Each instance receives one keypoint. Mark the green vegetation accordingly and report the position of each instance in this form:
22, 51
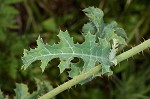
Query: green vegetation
21, 21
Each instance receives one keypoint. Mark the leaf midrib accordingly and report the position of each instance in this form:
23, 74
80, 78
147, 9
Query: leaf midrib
72, 54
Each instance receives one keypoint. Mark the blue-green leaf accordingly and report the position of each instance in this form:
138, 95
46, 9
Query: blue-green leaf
21, 91
90, 51
100, 47
97, 26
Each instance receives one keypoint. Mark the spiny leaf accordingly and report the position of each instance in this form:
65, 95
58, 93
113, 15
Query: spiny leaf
97, 26
42, 88
90, 51
21, 91
100, 46
111, 31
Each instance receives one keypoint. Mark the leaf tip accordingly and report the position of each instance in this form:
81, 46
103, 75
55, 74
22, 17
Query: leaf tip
23, 67
39, 41
44, 64
25, 52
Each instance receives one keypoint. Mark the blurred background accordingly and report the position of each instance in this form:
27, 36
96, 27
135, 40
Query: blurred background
22, 21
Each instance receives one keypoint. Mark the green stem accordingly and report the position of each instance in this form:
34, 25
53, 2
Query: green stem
95, 70
71, 83
133, 51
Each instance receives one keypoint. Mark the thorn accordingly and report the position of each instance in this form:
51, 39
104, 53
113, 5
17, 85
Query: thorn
123, 51
75, 86
127, 59
57, 84
139, 53
142, 53
70, 88
130, 46
132, 57
140, 42
148, 48
67, 79
143, 38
